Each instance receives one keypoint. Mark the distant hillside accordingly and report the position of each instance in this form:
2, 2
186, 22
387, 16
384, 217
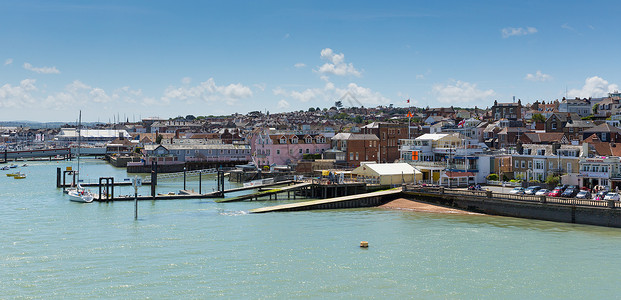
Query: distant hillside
37, 125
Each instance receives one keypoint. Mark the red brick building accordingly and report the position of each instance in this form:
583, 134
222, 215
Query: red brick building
357, 147
389, 135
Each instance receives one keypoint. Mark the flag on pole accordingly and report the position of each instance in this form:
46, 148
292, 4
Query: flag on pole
409, 114
408, 100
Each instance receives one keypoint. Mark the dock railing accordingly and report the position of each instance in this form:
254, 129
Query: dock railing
483, 194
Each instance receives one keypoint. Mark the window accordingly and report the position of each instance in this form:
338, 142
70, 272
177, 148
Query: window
554, 125
277, 151
290, 151
568, 167
307, 151
517, 164
351, 155
551, 165
530, 164
301, 151
523, 164
357, 156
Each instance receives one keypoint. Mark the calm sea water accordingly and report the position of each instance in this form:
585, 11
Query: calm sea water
53, 248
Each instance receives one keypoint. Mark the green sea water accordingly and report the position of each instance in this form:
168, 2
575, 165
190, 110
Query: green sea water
53, 248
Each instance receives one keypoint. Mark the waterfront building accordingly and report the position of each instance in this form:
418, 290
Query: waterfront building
600, 171
271, 147
387, 174
389, 135
91, 135
193, 152
358, 147
538, 161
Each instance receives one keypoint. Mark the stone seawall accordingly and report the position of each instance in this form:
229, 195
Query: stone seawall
600, 216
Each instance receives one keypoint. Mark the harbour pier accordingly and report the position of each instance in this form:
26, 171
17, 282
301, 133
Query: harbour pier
351, 201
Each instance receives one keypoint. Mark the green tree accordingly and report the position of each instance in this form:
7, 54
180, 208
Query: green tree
552, 180
595, 106
312, 109
158, 139
190, 118
492, 177
338, 104
539, 118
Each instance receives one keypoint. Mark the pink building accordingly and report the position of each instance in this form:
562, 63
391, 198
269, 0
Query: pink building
281, 149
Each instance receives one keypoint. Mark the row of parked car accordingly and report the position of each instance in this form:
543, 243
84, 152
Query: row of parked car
566, 191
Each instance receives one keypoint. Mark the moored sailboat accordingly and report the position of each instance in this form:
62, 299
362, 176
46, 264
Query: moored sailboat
80, 194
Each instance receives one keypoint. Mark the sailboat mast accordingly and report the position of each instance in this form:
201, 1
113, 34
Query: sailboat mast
79, 143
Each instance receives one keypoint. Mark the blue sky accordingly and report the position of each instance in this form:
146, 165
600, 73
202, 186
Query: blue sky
169, 58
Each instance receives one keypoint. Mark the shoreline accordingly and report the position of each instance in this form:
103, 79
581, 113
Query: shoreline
420, 206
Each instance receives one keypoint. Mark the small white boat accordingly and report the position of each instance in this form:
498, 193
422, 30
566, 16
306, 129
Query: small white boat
4, 168
81, 194
20, 176
13, 166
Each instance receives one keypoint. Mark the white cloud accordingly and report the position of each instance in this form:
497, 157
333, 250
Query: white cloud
17, 96
208, 91
186, 80
460, 92
538, 76
336, 64
330, 92
365, 96
79, 93
286, 36
300, 65
283, 104
42, 70
127, 95
420, 76
8, 61
510, 31
98, 95
259, 86
593, 87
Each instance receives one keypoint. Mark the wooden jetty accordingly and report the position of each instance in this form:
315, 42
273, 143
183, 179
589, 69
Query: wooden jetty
270, 193
309, 189
352, 201
183, 194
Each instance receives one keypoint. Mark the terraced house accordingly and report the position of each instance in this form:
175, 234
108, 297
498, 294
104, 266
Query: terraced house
269, 148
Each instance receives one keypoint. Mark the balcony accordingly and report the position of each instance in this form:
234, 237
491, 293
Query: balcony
594, 174
428, 164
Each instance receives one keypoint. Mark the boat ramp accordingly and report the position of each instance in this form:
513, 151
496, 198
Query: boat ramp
351, 201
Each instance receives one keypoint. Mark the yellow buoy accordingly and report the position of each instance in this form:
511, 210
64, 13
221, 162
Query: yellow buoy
364, 244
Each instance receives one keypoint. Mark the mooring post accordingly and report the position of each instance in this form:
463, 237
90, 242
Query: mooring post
200, 182
135, 197
611, 203
58, 177
184, 168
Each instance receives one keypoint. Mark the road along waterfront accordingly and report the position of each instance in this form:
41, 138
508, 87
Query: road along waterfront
53, 248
